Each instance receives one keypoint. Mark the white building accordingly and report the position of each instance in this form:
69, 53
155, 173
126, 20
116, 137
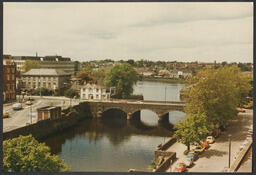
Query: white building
93, 91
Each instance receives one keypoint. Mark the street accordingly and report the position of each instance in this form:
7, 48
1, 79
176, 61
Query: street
19, 118
215, 158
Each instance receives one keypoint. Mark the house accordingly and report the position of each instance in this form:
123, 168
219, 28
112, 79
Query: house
48, 78
94, 91
9, 79
48, 112
164, 73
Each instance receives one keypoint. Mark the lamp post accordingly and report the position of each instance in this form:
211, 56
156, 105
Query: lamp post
165, 95
229, 150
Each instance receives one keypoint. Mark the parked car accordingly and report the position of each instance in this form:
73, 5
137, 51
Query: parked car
6, 115
210, 139
180, 167
199, 149
243, 144
248, 136
240, 110
249, 105
192, 155
17, 106
29, 103
250, 131
188, 162
205, 144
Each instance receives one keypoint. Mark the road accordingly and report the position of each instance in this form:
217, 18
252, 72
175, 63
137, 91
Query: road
20, 118
216, 157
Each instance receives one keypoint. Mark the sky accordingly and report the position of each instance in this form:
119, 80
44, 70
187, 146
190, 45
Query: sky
186, 32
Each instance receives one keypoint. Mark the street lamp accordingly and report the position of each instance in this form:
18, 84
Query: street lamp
229, 150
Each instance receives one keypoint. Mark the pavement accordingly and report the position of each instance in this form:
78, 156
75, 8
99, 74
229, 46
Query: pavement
215, 158
19, 118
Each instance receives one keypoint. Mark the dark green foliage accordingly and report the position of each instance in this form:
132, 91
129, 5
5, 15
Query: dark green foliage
123, 77
43, 91
70, 93
25, 154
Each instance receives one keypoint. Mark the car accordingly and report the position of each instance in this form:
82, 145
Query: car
199, 149
210, 139
240, 110
250, 131
243, 144
192, 155
205, 144
6, 115
29, 103
248, 136
17, 106
188, 162
180, 167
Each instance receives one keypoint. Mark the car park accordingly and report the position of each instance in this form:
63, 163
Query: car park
210, 139
180, 167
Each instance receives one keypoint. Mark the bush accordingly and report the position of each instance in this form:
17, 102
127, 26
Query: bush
186, 152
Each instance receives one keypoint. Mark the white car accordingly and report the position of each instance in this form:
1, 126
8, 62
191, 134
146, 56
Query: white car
187, 162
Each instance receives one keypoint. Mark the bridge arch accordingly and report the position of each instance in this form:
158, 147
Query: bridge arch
113, 112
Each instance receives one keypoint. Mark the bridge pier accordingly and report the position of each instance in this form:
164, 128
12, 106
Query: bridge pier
163, 117
133, 116
99, 114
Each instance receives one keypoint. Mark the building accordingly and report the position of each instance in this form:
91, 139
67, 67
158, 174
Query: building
9, 79
93, 91
48, 112
50, 62
48, 78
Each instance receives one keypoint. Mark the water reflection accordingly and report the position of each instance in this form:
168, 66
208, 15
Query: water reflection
117, 130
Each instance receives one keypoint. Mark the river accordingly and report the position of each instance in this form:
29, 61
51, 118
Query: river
115, 144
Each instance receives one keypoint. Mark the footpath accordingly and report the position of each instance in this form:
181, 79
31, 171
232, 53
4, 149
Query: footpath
215, 158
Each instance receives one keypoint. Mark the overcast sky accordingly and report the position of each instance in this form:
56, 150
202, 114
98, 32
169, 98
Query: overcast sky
155, 31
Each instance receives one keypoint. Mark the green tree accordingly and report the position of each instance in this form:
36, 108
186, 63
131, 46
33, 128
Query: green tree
43, 91
76, 67
24, 154
217, 93
30, 64
192, 129
131, 62
123, 77
70, 93
86, 78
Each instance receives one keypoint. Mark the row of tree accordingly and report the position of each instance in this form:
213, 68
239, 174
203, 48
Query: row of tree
211, 96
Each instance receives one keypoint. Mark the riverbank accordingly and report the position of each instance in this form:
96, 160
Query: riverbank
164, 80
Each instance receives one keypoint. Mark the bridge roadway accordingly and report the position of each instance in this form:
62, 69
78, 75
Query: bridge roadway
132, 108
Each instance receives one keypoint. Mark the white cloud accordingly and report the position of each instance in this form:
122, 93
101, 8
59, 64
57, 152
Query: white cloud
184, 31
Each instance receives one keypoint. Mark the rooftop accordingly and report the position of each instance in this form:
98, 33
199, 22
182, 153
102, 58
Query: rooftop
46, 72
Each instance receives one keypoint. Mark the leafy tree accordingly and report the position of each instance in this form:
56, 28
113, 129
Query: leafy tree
86, 78
131, 62
24, 154
71, 93
31, 64
217, 93
192, 129
76, 67
43, 91
123, 77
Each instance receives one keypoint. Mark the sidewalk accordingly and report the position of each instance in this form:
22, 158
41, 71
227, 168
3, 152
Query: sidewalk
215, 158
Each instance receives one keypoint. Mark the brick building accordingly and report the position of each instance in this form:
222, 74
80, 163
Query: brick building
48, 112
9, 79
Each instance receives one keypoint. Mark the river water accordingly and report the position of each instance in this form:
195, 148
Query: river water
115, 144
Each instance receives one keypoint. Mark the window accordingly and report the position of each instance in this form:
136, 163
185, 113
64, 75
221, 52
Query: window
49, 85
44, 84
13, 70
83, 89
8, 77
39, 84
97, 96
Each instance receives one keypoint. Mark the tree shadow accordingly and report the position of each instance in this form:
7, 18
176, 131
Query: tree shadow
213, 152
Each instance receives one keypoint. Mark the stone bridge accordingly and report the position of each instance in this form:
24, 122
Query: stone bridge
132, 108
